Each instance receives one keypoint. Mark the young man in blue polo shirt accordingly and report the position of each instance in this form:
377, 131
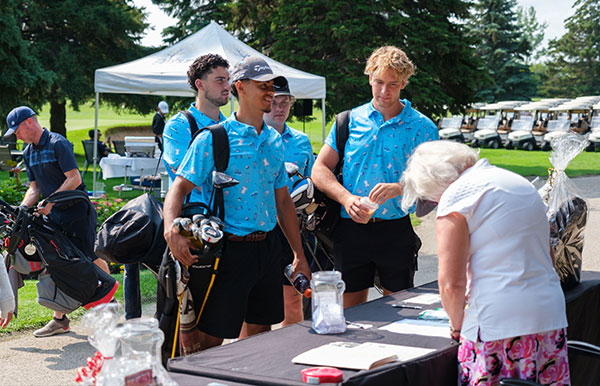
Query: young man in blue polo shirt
297, 150
51, 167
248, 287
208, 76
382, 135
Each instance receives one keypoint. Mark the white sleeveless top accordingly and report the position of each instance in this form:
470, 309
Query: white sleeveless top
512, 286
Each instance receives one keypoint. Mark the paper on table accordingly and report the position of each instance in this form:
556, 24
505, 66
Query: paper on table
424, 299
358, 356
418, 327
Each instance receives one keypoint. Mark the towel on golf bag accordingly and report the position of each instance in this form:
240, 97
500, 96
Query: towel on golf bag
567, 211
134, 234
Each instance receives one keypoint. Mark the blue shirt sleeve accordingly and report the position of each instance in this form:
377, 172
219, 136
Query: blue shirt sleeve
331, 139
176, 138
65, 157
198, 163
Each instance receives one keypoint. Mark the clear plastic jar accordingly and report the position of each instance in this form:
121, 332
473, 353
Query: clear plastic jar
328, 302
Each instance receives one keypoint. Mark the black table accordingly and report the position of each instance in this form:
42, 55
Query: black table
265, 359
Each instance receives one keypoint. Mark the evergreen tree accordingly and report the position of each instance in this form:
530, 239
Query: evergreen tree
499, 44
574, 66
23, 79
71, 39
334, 39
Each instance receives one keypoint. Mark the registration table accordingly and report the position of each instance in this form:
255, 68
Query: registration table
266, 359
118, 166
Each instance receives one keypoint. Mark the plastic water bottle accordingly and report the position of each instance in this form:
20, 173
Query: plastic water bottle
300, 282
328, 302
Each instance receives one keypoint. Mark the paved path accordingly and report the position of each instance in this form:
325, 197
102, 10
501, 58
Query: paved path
26, 360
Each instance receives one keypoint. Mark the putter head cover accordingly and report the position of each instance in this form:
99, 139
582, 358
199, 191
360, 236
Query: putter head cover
303, 194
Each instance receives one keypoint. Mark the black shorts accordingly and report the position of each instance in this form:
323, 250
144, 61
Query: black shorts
386, 247
247, 288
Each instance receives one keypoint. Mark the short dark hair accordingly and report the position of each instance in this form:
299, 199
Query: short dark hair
91, 133
202, 66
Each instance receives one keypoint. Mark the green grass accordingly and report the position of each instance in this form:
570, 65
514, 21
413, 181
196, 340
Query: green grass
33, 316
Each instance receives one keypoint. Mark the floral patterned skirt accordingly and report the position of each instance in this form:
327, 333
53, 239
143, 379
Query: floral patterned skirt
541, 358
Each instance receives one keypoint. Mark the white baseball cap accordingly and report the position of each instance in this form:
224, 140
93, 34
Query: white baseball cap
163, 106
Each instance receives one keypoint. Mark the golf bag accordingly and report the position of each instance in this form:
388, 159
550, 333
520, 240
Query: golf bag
69, 278
187, 288
134, 234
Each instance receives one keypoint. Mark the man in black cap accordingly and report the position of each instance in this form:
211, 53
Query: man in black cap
248, 287
51, 167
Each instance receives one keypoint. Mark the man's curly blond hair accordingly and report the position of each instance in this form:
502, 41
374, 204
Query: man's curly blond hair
390, 57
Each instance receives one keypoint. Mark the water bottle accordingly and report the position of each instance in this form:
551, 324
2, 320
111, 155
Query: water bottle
300, 282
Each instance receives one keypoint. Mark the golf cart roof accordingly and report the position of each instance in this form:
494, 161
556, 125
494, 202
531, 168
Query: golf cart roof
596, 106
574, 105
503, 105
475, 107
537, 106
590, 98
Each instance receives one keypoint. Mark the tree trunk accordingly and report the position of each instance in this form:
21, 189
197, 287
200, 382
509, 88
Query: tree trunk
58, 117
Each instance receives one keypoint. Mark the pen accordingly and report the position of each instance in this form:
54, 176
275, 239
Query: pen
407, 306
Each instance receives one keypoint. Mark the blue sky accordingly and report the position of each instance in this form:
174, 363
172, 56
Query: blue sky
554, 12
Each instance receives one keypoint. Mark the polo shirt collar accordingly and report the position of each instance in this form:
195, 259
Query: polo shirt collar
43, 139
404, 115
199, 113
286, 131
245, 129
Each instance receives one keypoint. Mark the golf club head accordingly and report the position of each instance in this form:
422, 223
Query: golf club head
222, 180
291, 169
311, 222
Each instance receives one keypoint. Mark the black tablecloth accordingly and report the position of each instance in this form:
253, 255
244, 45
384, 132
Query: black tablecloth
265, 359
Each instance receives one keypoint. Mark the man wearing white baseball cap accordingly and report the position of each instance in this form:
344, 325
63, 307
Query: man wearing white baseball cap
158, 122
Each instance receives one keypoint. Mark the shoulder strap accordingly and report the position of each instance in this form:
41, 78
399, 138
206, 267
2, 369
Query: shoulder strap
193, 125
342, 132
220, 146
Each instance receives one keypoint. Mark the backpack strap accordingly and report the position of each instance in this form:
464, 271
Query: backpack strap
221, 158
193, 124
342, 132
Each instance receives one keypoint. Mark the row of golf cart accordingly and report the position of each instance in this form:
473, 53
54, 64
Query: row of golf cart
525, 125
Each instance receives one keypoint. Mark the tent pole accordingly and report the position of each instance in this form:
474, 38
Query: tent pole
323, 112
95, 145
231, 104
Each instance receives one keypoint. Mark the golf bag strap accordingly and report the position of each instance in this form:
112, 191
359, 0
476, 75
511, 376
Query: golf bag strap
342, 131
68, 196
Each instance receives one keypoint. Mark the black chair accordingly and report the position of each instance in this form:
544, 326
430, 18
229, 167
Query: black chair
575, 348
6, 161
88, 148
119, 147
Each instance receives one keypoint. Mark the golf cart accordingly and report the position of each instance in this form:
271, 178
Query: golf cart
556, 128
469, 124
521, 136
450, 129
486, 134
494, 136
594, 135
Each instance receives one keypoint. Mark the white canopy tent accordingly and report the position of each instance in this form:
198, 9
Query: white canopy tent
165, 72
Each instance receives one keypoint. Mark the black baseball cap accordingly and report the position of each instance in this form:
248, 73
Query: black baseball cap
256, 68
282, 90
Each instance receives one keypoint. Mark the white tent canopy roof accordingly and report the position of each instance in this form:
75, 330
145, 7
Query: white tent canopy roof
165, 72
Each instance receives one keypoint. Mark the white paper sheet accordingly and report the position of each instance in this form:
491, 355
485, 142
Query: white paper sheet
419, 327
424, 299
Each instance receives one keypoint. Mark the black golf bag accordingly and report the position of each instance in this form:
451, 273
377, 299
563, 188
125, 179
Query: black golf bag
65, 272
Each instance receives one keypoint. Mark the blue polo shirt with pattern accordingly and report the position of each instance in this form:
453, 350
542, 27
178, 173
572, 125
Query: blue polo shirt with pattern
377, 151
256, 161
48, 161
299, 151
176, 140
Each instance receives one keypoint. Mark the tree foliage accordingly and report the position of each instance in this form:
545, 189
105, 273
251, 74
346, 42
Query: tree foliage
334, 39
500, 45
574, 65
532, 31
72, 38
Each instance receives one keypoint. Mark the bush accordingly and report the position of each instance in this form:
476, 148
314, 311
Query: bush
12, 191
106, 208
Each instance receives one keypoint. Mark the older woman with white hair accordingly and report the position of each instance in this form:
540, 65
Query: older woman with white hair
496, 275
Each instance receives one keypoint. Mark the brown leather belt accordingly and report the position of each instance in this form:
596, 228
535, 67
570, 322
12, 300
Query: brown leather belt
253, 237
378, 220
